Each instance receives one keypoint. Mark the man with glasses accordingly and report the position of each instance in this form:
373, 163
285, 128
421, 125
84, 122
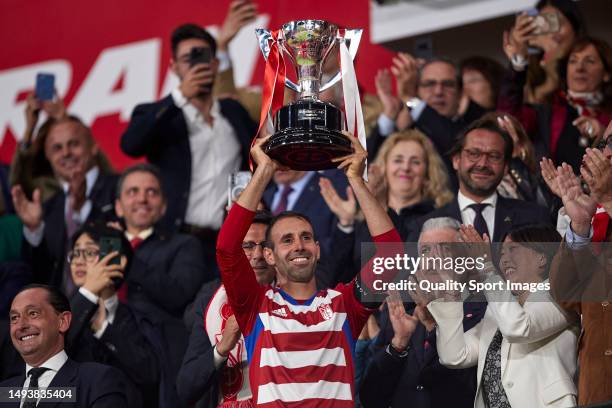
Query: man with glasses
480, 158
215, 368
428, 99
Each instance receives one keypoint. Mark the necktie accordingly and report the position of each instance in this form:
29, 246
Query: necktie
494, 394
34, 375
479, 222
122, 293
284, 199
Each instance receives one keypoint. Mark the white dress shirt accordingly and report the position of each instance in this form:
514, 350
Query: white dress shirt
53, 364
386, 125
110, 305
215, 154
35, 237
297, 186
469, 214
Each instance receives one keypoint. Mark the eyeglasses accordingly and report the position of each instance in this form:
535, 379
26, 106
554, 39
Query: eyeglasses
474, 155
447, 84
249, 246
90, 255
605, 143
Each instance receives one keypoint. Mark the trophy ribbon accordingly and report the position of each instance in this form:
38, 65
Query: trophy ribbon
352, 101
273, 86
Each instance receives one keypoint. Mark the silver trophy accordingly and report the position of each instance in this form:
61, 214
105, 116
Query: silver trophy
307, 133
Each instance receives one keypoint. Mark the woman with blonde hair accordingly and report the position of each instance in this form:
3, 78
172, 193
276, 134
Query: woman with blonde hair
409, 179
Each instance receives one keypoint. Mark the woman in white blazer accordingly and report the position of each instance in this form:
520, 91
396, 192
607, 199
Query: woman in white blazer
525, 346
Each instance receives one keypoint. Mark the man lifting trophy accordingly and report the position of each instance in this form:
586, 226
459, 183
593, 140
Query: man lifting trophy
308, 132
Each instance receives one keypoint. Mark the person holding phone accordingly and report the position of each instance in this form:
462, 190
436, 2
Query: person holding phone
104, 330
196, 140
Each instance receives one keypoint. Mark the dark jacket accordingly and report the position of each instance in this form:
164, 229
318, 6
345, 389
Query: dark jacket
159, 132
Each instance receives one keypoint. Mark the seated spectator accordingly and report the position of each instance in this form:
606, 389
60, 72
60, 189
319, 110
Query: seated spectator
578, 114
194, 139
40, 317
580, 275
103, 329
481, 78
413, 183
481, 157
215, 368
407, 368
165, 273
87, 194
429, 94
520, 332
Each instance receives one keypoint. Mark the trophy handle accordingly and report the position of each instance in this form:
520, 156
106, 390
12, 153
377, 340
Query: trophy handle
353, 37
264, 37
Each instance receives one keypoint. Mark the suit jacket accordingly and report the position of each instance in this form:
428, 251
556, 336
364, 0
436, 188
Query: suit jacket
164, 276
509, 213
159, 132
419, 377
311, 203
97, 386
47, 259
122, 346
538, 350
198, 379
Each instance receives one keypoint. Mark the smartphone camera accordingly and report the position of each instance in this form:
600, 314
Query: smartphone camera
199, 55
237, 183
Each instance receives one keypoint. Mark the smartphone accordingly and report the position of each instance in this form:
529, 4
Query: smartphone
45, 86
237, 183
199, 55
546, 23
108, 245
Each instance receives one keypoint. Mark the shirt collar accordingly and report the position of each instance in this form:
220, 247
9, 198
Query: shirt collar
142, 234
54, 363
194, 115
299, 185
465, 202
90, 179
111, 305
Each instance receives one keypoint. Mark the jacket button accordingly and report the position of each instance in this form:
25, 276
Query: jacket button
608, 353
509, 384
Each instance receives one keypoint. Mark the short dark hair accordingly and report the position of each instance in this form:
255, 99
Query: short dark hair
443, 60
535, 237
56, 298
140, 168
97, 229
487, 122
188, 31
262, 217
281, 216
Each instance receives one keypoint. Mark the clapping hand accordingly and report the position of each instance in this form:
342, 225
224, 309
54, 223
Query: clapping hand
578, 206
343, 209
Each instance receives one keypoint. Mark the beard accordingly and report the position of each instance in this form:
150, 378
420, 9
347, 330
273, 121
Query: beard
482, 188
299, 274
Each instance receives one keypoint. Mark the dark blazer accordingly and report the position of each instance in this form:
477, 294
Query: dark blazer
47, 259
164, 277
122, 346
311, 203
509, 213
419, 380
159, 132
97, 386
197, 379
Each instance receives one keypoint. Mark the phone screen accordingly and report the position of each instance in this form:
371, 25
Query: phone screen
45, 86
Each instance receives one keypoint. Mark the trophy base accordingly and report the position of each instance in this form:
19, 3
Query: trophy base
308, 149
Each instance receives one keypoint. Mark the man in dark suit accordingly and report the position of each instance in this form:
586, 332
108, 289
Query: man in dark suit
165, 273
40, 317
428, 100
87, 195
194, 139
480, 158
406, 367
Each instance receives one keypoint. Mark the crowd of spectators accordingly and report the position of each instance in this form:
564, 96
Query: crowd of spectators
145, 289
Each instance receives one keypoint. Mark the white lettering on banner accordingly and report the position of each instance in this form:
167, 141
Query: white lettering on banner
17, 80
137, 64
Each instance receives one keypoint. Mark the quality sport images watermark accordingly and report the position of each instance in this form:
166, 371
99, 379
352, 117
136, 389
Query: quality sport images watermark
458, 271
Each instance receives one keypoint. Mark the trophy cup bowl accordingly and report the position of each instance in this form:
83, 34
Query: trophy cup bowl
308, 132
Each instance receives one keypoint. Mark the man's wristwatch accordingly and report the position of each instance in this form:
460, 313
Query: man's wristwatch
394, 353
412, 103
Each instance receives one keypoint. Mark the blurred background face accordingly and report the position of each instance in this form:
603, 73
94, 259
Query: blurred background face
566, 34
477, 88
519, 263
253, 249
69, 149
141, 203
406, 169
438, 87
180, 62
481, 165
85, 251
585, 70
287, 176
